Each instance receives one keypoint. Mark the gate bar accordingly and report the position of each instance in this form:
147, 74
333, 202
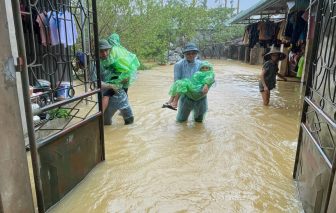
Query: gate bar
304, 127
318, 110
27, 104
331, 182
100, 98
67, 101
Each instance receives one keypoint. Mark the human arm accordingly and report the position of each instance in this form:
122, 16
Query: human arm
94, 78
107, 86
207, 85
205, 89
208, 81
280, 76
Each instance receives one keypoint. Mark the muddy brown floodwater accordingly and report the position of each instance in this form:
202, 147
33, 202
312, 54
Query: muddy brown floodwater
239, 160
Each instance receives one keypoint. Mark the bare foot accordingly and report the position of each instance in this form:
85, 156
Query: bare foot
174, 104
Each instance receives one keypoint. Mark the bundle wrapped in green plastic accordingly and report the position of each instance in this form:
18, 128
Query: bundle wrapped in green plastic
300, 65
193, 87
125, 63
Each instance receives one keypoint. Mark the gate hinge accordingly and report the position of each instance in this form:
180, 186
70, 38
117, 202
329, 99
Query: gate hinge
19, 64
18, 67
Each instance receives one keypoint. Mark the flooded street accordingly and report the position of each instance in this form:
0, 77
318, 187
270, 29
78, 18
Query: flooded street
240, 159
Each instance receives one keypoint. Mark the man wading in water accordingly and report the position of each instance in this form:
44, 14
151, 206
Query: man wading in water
186, 69
118, 100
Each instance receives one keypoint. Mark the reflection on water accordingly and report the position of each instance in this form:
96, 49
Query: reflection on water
239, 160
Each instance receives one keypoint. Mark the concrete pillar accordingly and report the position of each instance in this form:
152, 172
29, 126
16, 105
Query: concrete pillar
254, 55
246, 52
284, 63
308, 52
15, 188
261, 52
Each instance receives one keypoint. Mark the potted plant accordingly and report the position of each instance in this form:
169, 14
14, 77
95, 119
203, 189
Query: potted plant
58, 113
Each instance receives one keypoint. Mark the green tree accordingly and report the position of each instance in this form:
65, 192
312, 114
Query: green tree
146, 27
214, 30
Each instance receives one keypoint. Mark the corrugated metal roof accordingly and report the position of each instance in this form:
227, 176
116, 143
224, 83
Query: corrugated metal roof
260, 6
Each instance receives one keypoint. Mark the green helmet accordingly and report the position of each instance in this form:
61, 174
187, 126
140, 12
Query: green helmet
103, 44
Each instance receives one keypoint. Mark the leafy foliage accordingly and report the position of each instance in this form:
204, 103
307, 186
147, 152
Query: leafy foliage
58, 113
144, 67
146, 27
162, 58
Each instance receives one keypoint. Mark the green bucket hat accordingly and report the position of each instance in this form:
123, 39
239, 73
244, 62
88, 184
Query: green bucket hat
190, 47
103, 44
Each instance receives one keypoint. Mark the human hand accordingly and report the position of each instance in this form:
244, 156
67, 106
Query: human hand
265, 88
125, 80
205, 89
113, 87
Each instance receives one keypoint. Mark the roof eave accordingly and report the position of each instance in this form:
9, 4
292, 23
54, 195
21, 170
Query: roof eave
261, 5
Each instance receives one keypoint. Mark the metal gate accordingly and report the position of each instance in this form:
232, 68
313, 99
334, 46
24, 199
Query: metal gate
56, 42
315, 161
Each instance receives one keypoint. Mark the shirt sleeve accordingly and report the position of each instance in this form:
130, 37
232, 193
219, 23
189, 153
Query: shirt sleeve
266, 66
177, 72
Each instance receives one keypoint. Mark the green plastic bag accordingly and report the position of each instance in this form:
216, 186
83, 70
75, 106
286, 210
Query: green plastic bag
107, 62
193, 87
125, 63
300, 65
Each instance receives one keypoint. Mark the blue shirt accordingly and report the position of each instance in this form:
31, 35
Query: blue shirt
185, 69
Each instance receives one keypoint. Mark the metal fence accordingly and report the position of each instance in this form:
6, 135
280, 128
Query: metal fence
57, 40
315, 159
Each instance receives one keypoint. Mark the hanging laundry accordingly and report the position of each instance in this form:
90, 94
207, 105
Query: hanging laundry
253, 34
23, 16
282, 27
299, 27
262, 28
41, 19
246, 36
289, 28
31, 22
269, 29
52, 22
67, 28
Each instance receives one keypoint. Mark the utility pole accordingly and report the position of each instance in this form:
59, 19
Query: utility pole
220, 3
238, 7
231, 3
15, 188
225, 3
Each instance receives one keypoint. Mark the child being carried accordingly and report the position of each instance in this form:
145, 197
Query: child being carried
195, 88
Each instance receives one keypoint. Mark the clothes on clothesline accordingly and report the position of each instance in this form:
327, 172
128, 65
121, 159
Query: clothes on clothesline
41, 20
52, 23
67, 26
289, 31
51, 27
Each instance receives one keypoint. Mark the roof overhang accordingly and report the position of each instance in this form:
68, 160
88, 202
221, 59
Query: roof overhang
263, 7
